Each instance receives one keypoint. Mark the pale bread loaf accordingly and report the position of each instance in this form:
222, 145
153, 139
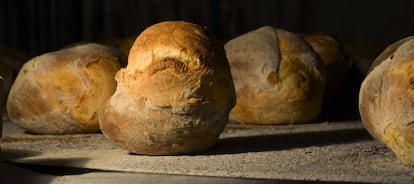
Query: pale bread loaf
278, 77
61, 92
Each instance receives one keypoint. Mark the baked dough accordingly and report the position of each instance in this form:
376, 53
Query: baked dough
175, 94
332, 54
61, 92
386, 99
278, 77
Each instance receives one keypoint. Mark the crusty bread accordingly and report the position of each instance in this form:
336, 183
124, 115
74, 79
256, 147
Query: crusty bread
388, 52
61, 92
332, 54
386, 99
175, 94
277, 76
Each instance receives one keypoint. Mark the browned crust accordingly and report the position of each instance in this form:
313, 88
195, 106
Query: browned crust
175, 94
278, 78
386, 101
61, 92
337, 64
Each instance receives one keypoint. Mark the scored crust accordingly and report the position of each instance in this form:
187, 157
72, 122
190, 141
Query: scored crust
278, 78
175, 94
61, 92
386, 100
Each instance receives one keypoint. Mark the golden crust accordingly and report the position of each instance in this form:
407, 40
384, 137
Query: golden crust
278, 78
329, 49
175, 94
337, 65
388, 51
61, 92
386, 101
172, 56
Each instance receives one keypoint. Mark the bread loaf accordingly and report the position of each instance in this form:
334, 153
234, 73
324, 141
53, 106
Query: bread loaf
332, 54
277, 76
175, 94
388, 52
61, 92
386, 99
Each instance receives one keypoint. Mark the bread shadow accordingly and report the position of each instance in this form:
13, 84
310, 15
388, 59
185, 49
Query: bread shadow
12, 154
40, 171
56, 167
286, 141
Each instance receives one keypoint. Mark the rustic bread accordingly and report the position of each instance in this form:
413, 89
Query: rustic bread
386, 99
277, 76
332, 54
61, 92
388, 52
175, 94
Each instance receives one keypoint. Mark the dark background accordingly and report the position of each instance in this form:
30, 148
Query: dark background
38, 26
365, 27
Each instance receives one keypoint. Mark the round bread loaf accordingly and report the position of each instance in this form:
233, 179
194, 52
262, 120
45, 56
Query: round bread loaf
61, 92
277, 76
175, 94
332, 54
388, 52
386, 99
